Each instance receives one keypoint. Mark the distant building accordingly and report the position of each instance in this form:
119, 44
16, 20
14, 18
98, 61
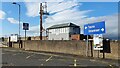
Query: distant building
80, 37
62, 31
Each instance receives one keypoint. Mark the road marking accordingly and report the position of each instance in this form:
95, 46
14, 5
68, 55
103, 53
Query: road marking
29, 56
75, 63
46, 60
49, 58
41, 64
92, 60
111, 66
77, 66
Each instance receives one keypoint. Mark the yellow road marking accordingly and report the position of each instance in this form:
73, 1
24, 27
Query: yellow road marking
75, 63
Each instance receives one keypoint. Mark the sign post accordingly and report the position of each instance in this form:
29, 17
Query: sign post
92, 29
25, 27
87, 46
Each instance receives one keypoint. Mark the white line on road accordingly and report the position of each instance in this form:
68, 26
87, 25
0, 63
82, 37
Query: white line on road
92, 60
49, 58
46, 60
29, 56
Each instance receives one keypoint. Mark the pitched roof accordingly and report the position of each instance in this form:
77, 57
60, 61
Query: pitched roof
63, 25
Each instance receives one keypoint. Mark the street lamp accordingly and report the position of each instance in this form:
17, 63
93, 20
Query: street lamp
19, 21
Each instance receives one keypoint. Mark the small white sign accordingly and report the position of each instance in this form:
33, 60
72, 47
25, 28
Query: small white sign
98, 42
14, 38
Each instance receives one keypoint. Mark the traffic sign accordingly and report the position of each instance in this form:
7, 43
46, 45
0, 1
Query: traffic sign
25, 26
95, 28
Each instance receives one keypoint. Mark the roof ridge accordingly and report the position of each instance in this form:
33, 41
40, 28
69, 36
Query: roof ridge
62, 25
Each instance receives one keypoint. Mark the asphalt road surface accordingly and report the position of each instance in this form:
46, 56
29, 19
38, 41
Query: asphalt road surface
18, 57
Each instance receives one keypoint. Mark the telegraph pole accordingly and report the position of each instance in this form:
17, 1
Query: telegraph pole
41, 12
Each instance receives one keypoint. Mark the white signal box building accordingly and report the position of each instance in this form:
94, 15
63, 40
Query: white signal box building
62, 31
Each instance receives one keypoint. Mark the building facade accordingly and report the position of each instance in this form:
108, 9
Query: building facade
62, 31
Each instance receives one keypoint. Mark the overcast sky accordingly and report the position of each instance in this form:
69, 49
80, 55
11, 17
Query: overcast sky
64, 11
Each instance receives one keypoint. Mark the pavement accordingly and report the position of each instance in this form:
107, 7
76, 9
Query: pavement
13, 58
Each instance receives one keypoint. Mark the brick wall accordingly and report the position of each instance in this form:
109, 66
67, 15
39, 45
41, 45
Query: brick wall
75, 37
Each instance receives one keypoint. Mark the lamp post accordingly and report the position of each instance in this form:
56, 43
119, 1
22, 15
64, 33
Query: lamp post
19, 21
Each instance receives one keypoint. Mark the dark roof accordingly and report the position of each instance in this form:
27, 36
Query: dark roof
63, 25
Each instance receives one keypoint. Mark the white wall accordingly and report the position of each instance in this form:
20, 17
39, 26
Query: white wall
58, 34
62, 33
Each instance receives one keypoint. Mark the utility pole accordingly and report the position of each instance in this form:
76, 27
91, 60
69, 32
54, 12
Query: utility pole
41, 13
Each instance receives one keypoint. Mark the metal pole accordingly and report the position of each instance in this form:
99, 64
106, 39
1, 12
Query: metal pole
25, 38
98, 53
103, 54
19, 24
91, 48
87, 46
103, 50
41, 12
25, 35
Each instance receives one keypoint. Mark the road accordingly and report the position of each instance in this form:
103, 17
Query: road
18, 57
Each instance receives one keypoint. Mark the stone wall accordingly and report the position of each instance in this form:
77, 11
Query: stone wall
68, 47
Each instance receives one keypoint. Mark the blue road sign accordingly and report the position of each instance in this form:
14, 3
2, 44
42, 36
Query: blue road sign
95, 28
25, 26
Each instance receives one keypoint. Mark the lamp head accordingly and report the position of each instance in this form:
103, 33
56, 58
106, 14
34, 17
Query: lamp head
14, 3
